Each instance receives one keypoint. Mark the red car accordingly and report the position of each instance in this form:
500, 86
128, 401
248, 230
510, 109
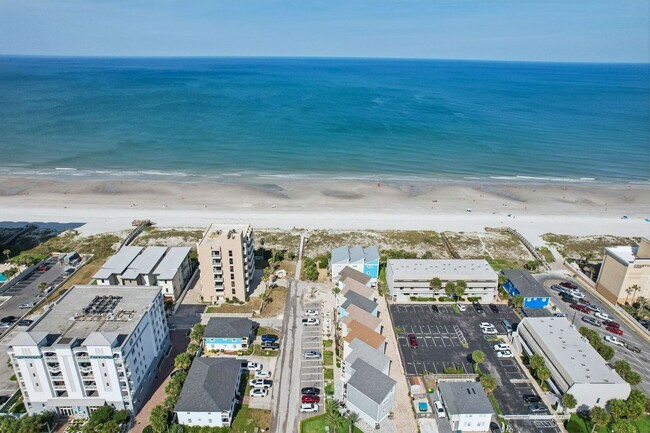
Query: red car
569, 285
579, 307
413, 341
614, 330
43, 268
310, 399
611, 323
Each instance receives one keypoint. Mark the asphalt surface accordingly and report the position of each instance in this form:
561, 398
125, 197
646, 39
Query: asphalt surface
441, 336
639, 362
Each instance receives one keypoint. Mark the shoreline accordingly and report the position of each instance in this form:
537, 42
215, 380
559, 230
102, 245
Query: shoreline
534, 209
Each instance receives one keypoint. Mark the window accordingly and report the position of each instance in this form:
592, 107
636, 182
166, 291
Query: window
232, 276
230, 254
232, 284
231, 261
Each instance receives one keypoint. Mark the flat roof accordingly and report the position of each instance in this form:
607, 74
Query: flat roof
465, 398
66, 318
118, 262
569, 350
626, 254
144, 263
224, 230
451, 268
172, 261
526, 284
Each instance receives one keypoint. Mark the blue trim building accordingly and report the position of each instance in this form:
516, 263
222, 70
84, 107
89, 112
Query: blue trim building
520, 282
228, 334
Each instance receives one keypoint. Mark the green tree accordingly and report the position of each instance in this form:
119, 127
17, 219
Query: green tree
196, 335
622, 367
569, 401
158, 419
635, 288
623, 426
42, 286
488, 382
435, 283
335, 420
7, 253
618, 409
633, 378
543, 374
450, 289
478, 357
182, 361
641, 304
353, 419
192, 348
517, 301
461, 286
173, 388
176, 428
170, 402
536, 362
606, 351
599, 417
629, 291
10, 272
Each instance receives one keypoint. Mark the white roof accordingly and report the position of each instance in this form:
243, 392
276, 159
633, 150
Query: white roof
570, 351
623, 254
172, 261
429, 268
118, 263
144, 263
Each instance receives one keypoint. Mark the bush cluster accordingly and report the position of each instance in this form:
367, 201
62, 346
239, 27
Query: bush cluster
309, 269
605, 350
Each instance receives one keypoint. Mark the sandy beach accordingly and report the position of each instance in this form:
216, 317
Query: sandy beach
534, 209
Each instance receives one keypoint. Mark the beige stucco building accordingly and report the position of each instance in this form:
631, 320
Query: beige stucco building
623, 268
226, 262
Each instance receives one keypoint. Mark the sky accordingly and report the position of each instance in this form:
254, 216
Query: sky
518, 30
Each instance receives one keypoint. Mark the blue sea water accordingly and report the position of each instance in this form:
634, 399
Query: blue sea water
220, 118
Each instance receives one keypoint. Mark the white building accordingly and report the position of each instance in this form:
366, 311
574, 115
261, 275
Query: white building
97, 345
370, 393
575, 366
364, 260
169, 268
467, 405
209, 394
412, 277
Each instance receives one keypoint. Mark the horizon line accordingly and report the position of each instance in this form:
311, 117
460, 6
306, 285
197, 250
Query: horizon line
93, 56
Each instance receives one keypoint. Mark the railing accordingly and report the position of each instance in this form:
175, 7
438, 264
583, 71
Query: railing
556, 417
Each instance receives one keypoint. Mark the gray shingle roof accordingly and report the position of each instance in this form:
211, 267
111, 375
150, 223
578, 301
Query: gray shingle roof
228, 327
525, 283
371, 253
371, 382
368, 354
464, 398
353, 298
348, 272
210, 386
356, 254
341, 255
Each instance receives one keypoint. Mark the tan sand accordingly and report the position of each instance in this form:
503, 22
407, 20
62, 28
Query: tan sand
577, 209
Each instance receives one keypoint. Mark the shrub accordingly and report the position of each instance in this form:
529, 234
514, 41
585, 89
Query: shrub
453, 370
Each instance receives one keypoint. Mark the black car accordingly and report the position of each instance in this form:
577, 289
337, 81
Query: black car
494, 428
478, 307
310, 390
568, 299
25, 322
434, 308
494, 308
531, 398
9, 319
270, 345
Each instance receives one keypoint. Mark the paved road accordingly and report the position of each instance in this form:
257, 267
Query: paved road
639, 361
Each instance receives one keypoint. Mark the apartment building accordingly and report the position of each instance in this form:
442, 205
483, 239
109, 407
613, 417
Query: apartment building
468, 406
625, 273
97, 345
364, 260
169, 268
521, 282
226, 262
412, 277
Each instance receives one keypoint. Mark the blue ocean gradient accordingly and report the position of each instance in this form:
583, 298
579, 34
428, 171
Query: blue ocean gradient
219, 118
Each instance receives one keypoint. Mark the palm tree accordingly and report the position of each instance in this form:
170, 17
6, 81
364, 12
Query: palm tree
7, 252
42, 285
488, 382
478, 357
569, 401
599, 417
461, 286
450, 289
543, 374
517, 301
629, 291
642, 302
536, 362
435, 283
334, 418
353, 418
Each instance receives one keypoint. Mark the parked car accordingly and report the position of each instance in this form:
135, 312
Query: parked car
309, 398
310, 321
494, 428
5, 325
259, 392
253, 366
603, 316
310, 390
263, 374
611, 323
584, 301
577, 294
537, 408
591, 321
43, 268
439, 409
9, 319
413, 341
579, 308
632, 348
613, 330
260, 383
461, 307
311, 313
25, 322
27, 306
557, 287
312, 354
613, 340
490, 331
269, 345
594, 308
485, 325
569, 285
504, 354
501, 346
435, 309
309, 407
531, 398
494, 308
559, 315
269, 337
478, 307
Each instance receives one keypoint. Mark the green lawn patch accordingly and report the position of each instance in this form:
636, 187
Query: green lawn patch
578, 424
317, 424
328, 357
329, 389
247, 420
329, 374
498, 264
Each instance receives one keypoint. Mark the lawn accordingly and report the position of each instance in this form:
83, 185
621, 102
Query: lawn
276, 306
258, 351
329, 374
578, 424
249, 307
328, 357
329, 389
247, 420
261, 330
317, 425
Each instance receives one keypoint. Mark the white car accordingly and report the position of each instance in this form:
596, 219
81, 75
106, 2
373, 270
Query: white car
260, 383
504, 354
309, 407
486, 325
439, 409
461, 307
311, 312
310, 321
490, 331
603, 316
559, 315
263, 374
501, 346
577, 294
253, 366
613, 340
259, 392
312, 354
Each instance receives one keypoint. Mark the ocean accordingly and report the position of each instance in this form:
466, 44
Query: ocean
225, 119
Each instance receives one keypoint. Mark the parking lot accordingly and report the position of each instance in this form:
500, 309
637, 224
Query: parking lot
311, 370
